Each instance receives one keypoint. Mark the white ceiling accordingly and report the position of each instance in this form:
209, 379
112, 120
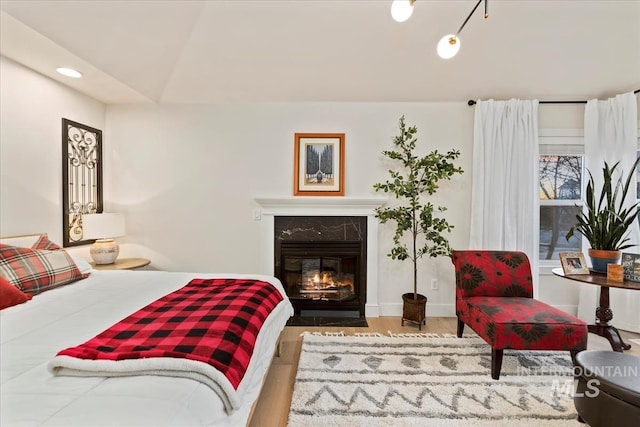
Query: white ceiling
161, 51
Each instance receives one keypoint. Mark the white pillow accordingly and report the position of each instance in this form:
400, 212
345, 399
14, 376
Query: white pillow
82, 264
21, 241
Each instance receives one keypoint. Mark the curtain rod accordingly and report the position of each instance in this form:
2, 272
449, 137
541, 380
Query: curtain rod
472, 102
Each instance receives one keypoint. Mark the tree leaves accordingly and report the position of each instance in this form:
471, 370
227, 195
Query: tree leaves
606, 222
417, 221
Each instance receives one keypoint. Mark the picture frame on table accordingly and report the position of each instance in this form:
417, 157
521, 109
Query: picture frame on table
573, 263
318, 164
631, 267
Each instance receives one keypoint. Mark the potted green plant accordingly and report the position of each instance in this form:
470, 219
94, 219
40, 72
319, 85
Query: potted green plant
605, 221
417, 220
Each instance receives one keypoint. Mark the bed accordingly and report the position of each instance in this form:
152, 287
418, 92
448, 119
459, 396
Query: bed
32, 333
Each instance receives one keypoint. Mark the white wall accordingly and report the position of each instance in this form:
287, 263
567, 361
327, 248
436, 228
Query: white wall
186, 176
31, 110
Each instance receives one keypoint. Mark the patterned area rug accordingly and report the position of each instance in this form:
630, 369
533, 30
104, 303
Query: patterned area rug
421, 380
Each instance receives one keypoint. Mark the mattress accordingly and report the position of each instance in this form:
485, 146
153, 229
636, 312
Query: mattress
32, 333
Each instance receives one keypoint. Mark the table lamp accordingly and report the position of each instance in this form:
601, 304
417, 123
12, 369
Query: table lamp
104, 227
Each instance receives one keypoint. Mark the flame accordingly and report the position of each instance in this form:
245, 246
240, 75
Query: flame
320, 280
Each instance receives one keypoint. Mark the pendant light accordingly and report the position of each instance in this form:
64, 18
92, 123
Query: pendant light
401, 10
449, 45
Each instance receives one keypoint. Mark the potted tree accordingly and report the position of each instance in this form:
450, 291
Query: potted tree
606, 221
417, 220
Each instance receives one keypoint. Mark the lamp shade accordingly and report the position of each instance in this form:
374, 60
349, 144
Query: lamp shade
401, 10
448, 46
103, 225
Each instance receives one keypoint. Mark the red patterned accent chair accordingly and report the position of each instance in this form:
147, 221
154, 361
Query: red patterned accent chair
494, 296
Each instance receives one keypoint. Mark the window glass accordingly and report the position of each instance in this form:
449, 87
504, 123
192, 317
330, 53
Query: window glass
638, 182
638, 178
560, 202
555, 222
560, 177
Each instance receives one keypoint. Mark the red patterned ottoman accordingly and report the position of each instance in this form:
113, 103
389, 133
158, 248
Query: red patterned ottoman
494, 296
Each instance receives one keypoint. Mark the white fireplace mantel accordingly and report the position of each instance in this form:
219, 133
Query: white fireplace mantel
270, 207
320, 205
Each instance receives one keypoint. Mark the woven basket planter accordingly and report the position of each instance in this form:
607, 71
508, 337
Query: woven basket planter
414, 310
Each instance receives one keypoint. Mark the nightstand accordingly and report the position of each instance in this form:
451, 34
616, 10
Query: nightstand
123, 264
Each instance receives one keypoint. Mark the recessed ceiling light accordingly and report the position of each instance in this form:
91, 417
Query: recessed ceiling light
69, 72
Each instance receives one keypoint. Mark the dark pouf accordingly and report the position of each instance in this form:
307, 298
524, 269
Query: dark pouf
608, 388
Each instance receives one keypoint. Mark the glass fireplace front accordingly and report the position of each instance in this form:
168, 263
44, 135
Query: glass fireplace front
320, 278
323, 275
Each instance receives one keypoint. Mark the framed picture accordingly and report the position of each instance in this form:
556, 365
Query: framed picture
573, 263
318, 164
631, 267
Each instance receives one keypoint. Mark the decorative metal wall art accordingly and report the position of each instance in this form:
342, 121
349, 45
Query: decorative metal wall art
81, 178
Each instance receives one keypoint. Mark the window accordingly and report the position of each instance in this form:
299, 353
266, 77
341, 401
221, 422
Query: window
638, 176
560, 202
638, 179
561, 166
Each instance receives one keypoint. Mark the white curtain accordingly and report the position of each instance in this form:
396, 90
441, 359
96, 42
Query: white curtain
504, 210
611, 135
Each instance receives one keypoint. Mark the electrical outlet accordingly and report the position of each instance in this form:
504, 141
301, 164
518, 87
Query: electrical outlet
435, 285
257, 214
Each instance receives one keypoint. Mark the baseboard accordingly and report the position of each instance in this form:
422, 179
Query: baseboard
433, 310
571, 309
372, 310
626, 326
394, 309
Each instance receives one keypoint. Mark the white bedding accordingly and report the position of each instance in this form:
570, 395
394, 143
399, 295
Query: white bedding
32, 333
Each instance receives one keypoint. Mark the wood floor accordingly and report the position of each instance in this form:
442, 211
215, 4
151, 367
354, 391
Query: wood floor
272, 407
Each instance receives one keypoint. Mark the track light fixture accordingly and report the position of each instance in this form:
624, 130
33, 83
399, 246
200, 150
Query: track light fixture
449, 45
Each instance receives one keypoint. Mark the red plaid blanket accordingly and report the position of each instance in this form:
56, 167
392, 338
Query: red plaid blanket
215, 321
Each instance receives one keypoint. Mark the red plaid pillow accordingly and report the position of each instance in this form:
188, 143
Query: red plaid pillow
35, 270
43, 242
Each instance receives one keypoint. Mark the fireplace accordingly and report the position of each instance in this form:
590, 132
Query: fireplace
324, 276
321, 261
273, 209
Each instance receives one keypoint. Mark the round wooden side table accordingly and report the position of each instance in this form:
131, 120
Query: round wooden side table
123, 264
